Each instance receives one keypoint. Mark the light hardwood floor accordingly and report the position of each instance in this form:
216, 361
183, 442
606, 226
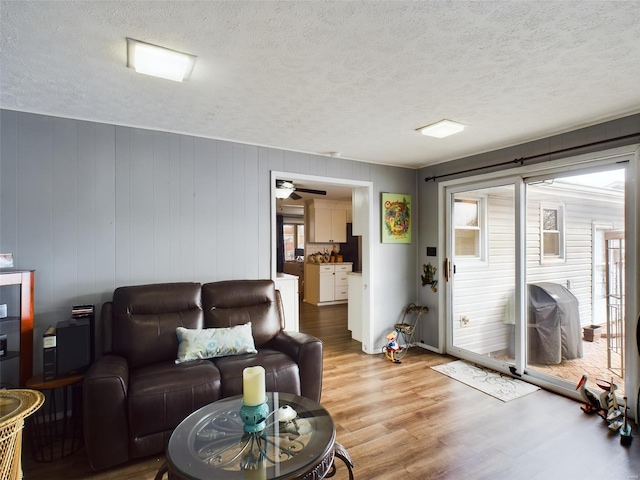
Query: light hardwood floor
408, 421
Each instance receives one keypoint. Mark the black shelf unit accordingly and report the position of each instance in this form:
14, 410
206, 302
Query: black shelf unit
13, 334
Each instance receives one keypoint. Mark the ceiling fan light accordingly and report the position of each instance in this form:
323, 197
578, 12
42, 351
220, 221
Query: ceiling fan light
282, 192
442, 129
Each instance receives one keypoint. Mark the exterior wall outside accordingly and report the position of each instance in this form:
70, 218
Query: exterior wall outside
576, 270
431, 235
485, 304
484, 289
582, 141
93, 206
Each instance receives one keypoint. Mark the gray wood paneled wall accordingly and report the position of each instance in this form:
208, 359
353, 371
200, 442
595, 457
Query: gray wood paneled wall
93, 206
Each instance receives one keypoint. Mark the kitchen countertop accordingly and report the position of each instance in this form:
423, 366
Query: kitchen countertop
285, 275
330, 263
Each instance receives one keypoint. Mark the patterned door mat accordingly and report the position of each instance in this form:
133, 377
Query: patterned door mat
498, 385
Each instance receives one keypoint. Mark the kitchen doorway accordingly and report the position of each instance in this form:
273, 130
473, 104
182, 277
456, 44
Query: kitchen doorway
362, 207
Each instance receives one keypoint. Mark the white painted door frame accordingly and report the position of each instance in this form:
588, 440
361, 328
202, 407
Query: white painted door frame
367, 240
629, 154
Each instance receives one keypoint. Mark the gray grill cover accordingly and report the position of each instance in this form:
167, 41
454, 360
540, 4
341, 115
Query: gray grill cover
554, 332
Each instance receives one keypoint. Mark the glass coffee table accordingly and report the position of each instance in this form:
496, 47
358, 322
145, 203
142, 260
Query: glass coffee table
298, 442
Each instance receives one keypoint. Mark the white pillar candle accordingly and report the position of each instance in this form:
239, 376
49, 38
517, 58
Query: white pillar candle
253, 386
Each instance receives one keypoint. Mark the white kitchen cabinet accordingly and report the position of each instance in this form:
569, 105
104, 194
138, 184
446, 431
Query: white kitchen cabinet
359, 208
325, 293
327, 221
340, 282
326, 283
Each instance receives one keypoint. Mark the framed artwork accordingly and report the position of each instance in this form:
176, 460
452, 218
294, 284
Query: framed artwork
396, 218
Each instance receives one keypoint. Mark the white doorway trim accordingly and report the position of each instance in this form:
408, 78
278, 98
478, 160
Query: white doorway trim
367, 241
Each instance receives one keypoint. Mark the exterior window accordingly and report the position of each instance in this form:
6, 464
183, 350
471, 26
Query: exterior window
293, 241
467, 220
552, 244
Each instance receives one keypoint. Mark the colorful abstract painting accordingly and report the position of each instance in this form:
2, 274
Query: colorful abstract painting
396, 218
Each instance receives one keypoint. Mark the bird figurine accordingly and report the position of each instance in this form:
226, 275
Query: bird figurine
613, 412
593, 401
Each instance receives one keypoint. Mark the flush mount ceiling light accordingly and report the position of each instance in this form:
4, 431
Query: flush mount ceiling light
158, 61
441, 129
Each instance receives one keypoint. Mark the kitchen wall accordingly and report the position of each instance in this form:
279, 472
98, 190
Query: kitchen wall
93, 206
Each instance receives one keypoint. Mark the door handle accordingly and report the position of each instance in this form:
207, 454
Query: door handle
447, 269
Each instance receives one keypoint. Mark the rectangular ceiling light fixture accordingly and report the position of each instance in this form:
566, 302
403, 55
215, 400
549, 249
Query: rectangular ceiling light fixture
156, 61
441, 129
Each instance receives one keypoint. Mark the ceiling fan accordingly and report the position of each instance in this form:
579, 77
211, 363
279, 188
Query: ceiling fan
286, 189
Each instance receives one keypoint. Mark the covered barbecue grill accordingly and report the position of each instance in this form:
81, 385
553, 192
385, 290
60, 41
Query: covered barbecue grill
554, 331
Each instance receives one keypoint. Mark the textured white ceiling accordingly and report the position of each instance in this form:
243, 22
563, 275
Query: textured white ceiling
318, 76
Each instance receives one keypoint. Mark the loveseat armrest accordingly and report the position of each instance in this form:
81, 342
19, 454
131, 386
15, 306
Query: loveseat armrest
106, 428
306, 350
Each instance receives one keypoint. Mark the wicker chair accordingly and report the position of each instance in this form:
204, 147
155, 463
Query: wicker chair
15, 406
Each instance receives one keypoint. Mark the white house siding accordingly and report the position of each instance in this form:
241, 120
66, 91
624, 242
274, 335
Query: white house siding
580, 215
484, 291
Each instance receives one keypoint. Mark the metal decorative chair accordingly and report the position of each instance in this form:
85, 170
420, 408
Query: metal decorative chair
404, 331
407, 328
15, 406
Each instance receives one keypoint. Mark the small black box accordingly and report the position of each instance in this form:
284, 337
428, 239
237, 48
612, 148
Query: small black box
3, 345
86, 311
49, 354
73, 346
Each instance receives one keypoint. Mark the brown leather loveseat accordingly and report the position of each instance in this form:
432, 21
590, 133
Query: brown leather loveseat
136, 394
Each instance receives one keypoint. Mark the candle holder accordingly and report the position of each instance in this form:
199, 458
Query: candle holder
254, 416
252, 440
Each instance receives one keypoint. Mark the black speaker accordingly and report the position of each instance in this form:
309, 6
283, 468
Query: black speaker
73, 346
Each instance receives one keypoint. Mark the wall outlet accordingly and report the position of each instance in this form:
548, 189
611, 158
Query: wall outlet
464, 321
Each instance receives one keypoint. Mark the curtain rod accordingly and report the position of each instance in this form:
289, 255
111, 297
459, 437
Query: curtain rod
521, 160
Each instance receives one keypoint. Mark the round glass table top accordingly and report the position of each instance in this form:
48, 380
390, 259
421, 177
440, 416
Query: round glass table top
212, 443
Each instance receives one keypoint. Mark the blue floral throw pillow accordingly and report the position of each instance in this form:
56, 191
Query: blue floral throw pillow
214, 342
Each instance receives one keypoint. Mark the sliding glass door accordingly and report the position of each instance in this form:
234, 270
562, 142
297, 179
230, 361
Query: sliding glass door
483, 273
530, 265
573, 275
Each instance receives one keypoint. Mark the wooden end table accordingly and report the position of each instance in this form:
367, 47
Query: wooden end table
53, 438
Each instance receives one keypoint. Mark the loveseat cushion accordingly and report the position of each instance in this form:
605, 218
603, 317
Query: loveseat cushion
162, 395
204, 343
145, 318
236, 302
281, 372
